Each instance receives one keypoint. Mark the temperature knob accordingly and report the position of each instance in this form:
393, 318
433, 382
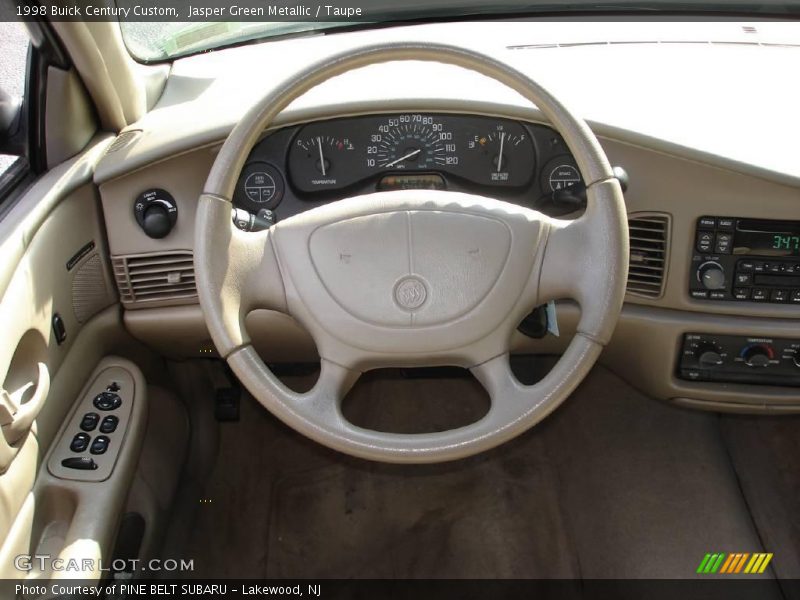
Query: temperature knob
757, 355
711, 275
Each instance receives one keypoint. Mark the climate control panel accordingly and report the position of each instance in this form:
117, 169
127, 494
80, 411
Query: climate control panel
739, 359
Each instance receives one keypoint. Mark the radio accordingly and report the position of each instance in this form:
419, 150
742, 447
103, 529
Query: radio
739, 359
753, 260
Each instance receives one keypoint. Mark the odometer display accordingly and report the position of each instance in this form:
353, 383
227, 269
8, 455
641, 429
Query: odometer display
411, 142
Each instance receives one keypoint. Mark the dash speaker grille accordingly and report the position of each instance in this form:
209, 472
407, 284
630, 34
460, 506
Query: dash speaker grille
90, 293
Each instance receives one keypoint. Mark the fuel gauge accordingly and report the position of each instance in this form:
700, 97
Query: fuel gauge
503, 154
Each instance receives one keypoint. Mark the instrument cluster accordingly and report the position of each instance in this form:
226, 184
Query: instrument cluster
299, 167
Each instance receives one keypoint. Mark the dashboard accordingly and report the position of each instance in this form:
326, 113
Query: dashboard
297, 168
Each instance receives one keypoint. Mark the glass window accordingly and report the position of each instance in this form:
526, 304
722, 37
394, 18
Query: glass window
14, 44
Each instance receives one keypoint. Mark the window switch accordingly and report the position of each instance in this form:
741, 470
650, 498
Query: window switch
99, 445
80, 442
109, 424
89, 421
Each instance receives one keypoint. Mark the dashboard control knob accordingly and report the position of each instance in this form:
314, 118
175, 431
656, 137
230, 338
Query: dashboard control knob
156, 223
156, 212
708, 354
796, 358
757, 355
711, 275
710, 358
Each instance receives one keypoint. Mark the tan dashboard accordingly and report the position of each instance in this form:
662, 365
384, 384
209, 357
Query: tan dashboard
666, 191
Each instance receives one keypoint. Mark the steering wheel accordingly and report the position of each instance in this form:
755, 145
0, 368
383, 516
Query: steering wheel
412, 278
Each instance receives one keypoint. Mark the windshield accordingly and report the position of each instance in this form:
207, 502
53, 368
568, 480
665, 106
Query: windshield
192, 26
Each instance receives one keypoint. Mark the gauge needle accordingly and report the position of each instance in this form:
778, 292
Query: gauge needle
402, 158
500, 156
321, 158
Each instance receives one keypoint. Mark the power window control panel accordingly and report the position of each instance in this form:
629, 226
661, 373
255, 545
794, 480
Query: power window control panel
91, 442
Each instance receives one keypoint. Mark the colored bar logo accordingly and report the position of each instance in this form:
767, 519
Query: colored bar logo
735, 563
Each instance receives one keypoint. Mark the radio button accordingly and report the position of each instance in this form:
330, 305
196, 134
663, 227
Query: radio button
779, 296
760, 267
775, 267
744, 279
701, 294
796, 297
718, 295
789, 268
760, 295
746, 265
705, 241
723, 243
707, 223
726, 223
741, 293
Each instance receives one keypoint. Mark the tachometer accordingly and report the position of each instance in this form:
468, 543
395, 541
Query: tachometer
411, 142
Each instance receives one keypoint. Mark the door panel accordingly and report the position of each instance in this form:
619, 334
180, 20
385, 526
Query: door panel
58, 267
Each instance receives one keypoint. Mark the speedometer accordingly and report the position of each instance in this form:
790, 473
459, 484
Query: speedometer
411, 142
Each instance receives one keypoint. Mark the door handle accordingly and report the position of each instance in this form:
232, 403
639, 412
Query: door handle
16, 416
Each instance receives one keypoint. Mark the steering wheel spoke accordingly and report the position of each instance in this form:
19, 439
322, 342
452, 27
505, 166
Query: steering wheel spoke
583, 256
239, 273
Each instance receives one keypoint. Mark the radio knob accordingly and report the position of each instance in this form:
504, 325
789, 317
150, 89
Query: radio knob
711, 275
757, 355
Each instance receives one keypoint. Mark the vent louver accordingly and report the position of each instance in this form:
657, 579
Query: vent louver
649, 233
163, 278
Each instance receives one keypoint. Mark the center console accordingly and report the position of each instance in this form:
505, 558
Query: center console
746, 260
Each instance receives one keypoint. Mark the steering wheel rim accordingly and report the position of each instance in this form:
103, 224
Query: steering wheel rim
524, 258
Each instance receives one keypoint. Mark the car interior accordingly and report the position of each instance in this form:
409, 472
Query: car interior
468, 298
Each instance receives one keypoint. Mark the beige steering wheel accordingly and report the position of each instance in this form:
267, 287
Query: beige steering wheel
411, 278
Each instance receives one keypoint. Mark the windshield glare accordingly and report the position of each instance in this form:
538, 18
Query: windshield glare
155, 41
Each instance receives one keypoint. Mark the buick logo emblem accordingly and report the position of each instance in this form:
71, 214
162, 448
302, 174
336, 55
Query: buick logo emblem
410, 293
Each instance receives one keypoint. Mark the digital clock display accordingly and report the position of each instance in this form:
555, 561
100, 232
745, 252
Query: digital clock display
767, 238
786, 242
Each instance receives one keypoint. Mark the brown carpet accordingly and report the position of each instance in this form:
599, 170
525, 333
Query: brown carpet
612, 485
766, 454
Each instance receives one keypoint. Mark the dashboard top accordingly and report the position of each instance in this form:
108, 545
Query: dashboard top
704, 96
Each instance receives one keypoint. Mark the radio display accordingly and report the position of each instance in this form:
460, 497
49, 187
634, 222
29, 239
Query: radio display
767, 238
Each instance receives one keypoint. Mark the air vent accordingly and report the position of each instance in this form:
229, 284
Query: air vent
649, 234
162, 278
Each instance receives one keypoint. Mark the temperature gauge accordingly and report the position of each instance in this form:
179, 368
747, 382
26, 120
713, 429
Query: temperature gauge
319, 158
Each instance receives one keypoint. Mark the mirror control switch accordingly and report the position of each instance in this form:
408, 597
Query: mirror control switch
83, 463
107, 401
